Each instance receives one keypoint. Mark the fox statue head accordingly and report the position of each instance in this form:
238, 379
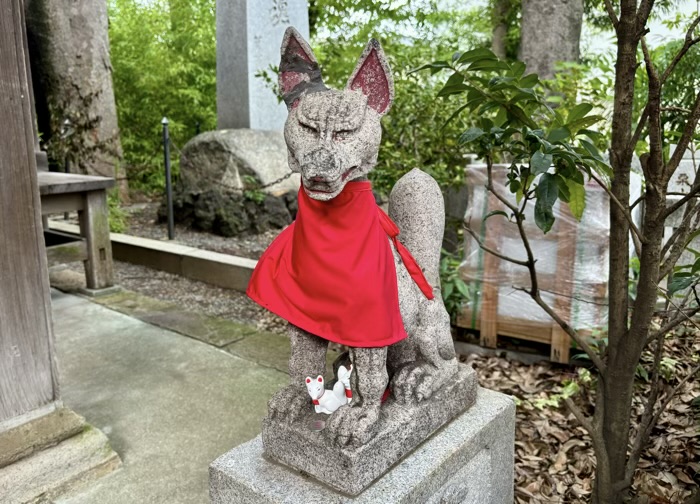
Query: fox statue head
332, 136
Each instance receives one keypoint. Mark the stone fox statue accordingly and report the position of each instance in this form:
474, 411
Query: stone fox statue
340, 272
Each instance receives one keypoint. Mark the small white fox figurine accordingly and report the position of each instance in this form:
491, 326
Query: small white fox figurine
339, 396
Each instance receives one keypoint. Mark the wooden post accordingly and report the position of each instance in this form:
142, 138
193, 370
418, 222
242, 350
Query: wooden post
27, 367
488, 319
94, 226
566, 259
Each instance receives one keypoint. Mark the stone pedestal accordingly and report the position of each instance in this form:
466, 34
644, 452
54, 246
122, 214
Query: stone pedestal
400, 429
470, 460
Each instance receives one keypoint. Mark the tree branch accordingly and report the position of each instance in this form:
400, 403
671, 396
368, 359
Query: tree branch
573, 334
491, 251
637, 202
673, 323
611, 14
643, 12
640, 440
692, 194
682, 229
687, 44
583, 420
677, 242
637, 236
675, 109
682, 315
534, 291
640, 127
684, 140
645, 431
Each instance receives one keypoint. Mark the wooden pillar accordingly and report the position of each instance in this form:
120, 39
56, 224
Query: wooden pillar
28, 378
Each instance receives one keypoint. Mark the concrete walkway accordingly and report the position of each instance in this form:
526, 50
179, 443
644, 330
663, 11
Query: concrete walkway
169, 404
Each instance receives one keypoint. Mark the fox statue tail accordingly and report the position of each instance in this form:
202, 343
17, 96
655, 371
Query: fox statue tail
417, 207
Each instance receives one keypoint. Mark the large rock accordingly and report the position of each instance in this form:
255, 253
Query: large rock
231, 213
223, 183
236, 159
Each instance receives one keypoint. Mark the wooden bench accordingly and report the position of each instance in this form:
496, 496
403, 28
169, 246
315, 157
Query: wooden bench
86, 194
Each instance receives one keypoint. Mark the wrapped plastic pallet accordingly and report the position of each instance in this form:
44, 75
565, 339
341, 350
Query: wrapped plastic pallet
571, 264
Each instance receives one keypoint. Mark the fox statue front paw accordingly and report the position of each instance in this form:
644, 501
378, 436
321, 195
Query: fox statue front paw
353, 425
418, 382
289, 403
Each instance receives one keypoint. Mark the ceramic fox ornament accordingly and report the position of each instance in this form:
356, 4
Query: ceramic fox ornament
327, 401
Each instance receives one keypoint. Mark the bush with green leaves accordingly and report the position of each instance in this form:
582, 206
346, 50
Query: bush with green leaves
548, 154
414, 131
455, 292
164, 58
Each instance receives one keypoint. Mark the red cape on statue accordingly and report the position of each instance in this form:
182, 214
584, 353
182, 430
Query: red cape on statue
332, 272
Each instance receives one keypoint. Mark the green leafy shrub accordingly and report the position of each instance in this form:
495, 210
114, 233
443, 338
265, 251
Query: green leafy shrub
455, 292
164, 59
516, 125
118, 218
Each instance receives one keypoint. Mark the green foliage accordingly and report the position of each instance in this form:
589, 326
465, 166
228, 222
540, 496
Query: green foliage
588, 81
566, 390
252, 192
548, 150
455, 292
164, 58
685, 276
678, 93
118, 218
410, 32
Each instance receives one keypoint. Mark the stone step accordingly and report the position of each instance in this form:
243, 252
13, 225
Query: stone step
38, 434
66, 466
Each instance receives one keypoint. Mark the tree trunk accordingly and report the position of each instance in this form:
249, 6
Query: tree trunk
499, 13
69, 49
625, 342
550, 32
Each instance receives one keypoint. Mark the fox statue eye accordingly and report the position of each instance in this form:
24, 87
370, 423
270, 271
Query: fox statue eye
307, 127
342, 135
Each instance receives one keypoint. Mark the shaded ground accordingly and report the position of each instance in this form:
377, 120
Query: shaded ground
554, 462
169, 404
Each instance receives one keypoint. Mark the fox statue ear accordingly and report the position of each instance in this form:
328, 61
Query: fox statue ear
299, 71
372, 76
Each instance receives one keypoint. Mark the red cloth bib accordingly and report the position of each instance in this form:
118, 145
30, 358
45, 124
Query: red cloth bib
332, 273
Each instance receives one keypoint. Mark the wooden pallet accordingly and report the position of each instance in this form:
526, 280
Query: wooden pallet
493, 273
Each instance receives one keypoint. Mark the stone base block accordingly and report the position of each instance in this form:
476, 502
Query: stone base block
468, 461
400, 429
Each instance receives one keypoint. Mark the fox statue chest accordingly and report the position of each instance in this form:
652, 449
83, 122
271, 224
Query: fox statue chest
333, 272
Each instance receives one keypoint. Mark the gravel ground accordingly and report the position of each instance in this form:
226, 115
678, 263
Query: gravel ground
192, 295
143, 223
